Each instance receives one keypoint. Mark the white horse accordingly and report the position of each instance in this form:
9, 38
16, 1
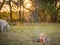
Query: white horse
4, 25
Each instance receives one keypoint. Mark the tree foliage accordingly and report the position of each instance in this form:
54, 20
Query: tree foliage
41, 10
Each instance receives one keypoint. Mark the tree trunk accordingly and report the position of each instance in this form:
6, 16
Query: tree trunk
21, 14
56, 13
2, 4
10, 11
20, 11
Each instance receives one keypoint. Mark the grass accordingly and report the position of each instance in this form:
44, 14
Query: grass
27, 34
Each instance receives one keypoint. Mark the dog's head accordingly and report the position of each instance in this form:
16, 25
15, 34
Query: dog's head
8, 27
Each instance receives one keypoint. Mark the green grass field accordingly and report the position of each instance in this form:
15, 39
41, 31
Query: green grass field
27, 34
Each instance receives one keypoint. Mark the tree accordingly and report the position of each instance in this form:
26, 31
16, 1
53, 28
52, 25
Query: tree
21, 16
54, 10
10, 10
51, 6
2, 4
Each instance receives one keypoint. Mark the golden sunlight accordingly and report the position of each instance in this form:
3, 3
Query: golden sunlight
21, 8
26, 1
28, 5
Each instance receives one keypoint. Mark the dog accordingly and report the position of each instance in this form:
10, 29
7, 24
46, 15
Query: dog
4, 25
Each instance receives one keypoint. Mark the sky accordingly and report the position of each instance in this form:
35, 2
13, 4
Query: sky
2, 0
6, 0
6, 7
